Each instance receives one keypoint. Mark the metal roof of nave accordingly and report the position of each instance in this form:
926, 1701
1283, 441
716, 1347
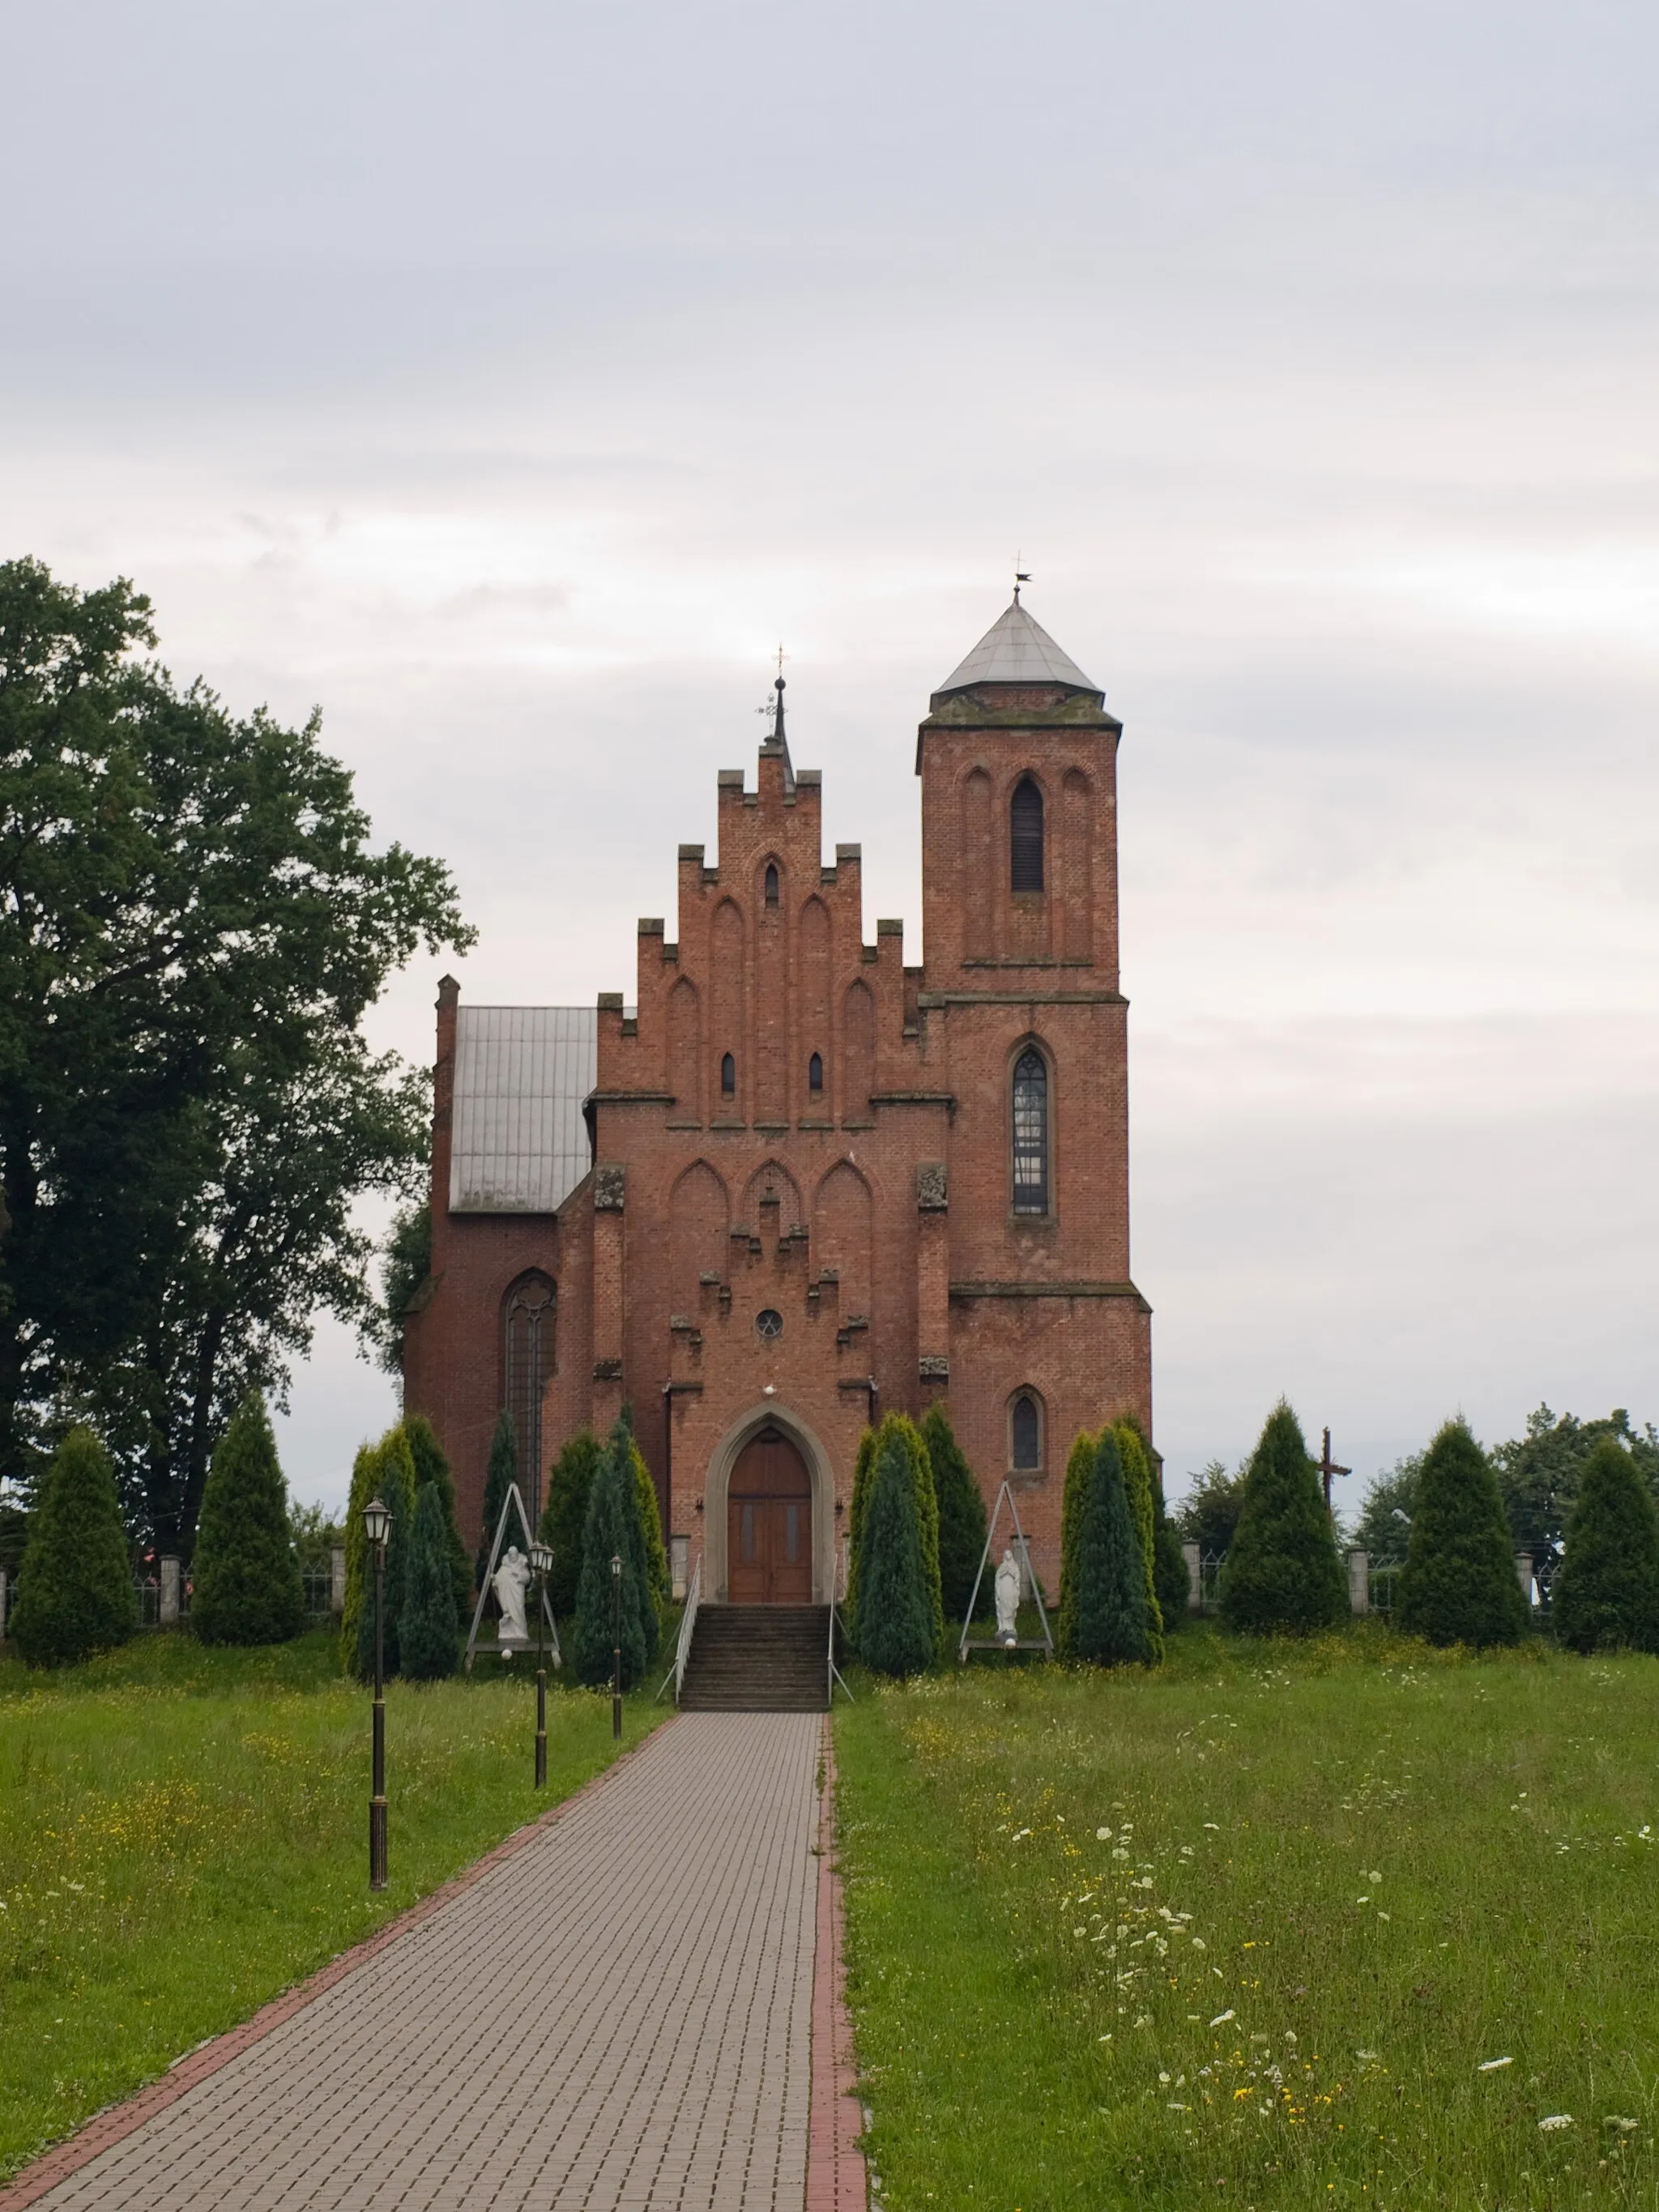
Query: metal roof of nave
1016, 649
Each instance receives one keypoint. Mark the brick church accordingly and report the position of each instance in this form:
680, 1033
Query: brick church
800, 1183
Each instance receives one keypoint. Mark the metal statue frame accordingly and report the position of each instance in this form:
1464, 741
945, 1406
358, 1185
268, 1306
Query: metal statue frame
511, 1498
972, 1643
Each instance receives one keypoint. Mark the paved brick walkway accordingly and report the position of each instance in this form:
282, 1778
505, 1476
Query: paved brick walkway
617, 2015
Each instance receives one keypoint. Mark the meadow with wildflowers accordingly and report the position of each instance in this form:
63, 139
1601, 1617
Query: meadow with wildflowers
1350, 1922
183, 1834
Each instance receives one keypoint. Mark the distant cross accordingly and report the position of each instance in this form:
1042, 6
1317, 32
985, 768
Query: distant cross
1327, 1467
773, 704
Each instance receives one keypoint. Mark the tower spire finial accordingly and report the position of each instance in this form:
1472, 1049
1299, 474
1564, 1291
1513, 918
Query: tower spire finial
1021, 576
777, 722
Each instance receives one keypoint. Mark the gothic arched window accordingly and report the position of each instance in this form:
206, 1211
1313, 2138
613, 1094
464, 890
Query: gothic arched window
1030, 1105
527, 1333
1026, 1434
1025, 837
728, 1077
815, 1073
771, 883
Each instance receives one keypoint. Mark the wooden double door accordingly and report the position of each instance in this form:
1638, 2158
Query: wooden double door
769, 1524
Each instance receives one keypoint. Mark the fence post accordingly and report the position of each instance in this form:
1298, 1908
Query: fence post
1194, 1559
1523, 1574
167, 1610
337, 1579
1359, 1582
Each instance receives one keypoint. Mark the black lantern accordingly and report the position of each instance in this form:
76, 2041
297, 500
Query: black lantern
377, 1526
541, 1566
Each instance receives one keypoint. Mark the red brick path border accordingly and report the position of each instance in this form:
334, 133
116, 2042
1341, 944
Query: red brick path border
836, 2180
116, 2122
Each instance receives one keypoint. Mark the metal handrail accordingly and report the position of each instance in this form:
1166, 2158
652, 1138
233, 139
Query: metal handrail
676, 1673
835, 1674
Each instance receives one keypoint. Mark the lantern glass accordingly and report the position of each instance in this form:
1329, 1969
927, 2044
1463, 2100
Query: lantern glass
541, 1558
376, 1522
616, 1565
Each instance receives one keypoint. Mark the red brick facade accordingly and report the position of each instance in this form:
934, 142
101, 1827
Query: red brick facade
874, 1214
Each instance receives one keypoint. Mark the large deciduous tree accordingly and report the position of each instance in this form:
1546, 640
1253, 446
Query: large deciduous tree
192, 927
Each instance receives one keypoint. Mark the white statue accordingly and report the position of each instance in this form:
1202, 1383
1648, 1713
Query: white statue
510, 1581
1008, 1597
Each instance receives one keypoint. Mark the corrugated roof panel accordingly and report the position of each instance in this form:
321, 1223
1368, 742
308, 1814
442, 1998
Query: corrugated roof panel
517, 1142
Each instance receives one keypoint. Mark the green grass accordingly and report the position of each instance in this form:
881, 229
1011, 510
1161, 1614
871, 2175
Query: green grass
183, 1834
1246, 1931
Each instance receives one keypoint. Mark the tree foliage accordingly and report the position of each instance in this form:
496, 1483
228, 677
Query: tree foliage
1209, 1513
895, 1628
960, 1507
365, 1470
900, 1435
564, 1516
654, 1554
245, 1584
1074, 1507
1606, 1594
1383, 1529
612, 1531
1113, 1622
1538, 1474
429, 1629
405, 1268
193, 927
500, 1475
1169, 1577
394, 1480
1459, 1585
864, 1475
1139, 1484
75, 1595
431, 1464
1282, 1574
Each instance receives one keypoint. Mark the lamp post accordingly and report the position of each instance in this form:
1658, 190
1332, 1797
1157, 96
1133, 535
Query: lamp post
541, 1563
377, 1520
616, 1646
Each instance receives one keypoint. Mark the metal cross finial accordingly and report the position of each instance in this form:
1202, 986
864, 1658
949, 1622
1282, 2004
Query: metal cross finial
782, 657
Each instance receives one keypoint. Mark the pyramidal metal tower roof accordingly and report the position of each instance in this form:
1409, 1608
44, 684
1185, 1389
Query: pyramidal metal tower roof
1016, 649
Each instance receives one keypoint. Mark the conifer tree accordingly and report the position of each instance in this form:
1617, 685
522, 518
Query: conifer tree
432, 1465
654, 1552
863, 1472
1114, 1624
1170, 1574
428, 1632
922, 1477
895, 1628
1073, 1505
1607, 1589
74, 1592
394, 1479
245, 1574
565, 1516
1459, 1583
1282, 1575
611, 1531
960, 1513
499, 1477
364, 1470
1138, 1483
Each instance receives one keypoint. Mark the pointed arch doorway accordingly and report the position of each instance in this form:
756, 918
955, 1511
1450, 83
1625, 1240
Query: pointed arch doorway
768, 1523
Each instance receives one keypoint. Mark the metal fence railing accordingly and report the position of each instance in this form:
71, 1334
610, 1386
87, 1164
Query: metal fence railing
1384, 1576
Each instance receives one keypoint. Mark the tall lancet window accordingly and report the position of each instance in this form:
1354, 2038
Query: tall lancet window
527, 1365
1025, 837
1031, 1103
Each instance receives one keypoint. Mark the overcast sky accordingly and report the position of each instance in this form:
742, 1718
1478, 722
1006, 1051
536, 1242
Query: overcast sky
510, 379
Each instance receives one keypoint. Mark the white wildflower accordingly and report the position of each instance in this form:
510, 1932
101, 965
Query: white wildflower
1554, 2120
1102, 1835
1491, 2065
1221, 2018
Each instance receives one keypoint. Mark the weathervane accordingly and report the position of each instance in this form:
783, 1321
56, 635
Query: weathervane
1021, 576
773, 706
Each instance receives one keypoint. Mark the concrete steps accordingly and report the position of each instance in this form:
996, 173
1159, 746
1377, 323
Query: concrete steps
758, 1659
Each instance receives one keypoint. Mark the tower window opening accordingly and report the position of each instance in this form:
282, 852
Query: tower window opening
815, 1073
771, 883
527, 1363
1031, 1103
1025, 837
728, 1076
1025, 1435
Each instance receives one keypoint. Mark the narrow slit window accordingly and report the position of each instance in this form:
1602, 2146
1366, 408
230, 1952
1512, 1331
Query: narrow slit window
771, 883
815, 1073
728, 1077
1026, 1435
527, 1363
1025, 837
1031, 1133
